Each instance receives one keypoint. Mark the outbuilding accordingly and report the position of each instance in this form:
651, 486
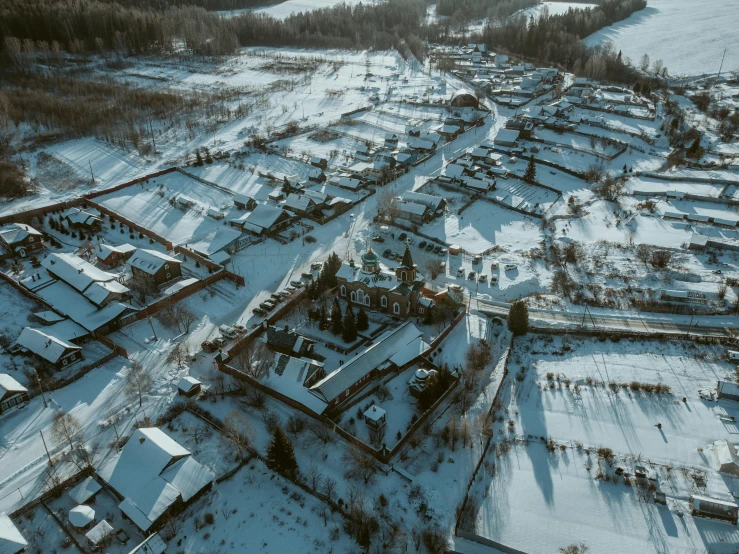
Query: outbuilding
189, 387
11, 540
12, 392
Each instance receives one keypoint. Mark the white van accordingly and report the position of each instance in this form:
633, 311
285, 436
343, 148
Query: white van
734, 356
510, 267
227, 331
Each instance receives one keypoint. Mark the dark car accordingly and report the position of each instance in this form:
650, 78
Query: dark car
402, 236
429, 247
471, 276
422, 244
378, 238
209, 346
387, 253
259, 311
437, 250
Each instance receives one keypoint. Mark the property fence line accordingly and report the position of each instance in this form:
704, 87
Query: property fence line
211, 265
121, 219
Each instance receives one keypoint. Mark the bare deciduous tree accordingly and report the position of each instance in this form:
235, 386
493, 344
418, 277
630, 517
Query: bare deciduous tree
138, 380
434, 267
179, 354
239, 429
254, 360
65, 427
360, 465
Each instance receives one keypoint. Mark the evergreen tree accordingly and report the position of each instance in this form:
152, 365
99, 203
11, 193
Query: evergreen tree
362, 321
349, 328
198, 159
336, 323
323, 320
530, 175
637, 87
280, 454
518, 318
208, 157
695, 150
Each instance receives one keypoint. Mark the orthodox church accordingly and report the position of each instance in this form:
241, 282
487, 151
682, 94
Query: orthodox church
377, 287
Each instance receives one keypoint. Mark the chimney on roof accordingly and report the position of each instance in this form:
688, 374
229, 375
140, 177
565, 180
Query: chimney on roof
80, 270
287, 327
374, 408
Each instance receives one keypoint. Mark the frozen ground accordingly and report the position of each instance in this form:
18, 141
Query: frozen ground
689, 36
554, 8
554, 393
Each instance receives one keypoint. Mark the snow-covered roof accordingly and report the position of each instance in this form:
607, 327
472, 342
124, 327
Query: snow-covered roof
78, 216
507, 136
728, 388
454, 170
151, 473
298, 202
75, 271
81, 515
48, 316
433, 202
105, 250
264, 216
287, 377
420, 144
98, 533
11, 540
411, 207
317, 196
214, 241
150, 261
9, 384
399, 341
728, 461
188, 383
374, 413
98, 293
79, 309
85, 490
48, 347
179, 285
350, 183
17, 232
66, 330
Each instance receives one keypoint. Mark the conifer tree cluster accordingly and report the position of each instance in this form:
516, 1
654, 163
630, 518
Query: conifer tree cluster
280, 454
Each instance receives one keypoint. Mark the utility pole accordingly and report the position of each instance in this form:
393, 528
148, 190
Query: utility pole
45, 448
40, 388
92, 175
152, 328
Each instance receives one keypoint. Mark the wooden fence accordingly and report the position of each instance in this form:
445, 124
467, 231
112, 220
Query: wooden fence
238, 279
143, 230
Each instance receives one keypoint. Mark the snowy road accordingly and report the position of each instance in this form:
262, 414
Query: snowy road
708, 326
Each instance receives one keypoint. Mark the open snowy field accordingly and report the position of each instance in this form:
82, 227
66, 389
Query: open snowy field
554, 8
689, 36
559, 389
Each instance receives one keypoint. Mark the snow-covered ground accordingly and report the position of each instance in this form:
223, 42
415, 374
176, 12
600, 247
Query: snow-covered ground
689, 36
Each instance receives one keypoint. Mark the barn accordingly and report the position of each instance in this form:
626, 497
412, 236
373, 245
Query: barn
463, 98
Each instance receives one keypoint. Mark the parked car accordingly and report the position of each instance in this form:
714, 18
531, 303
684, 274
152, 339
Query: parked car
378, 238
259, 311
266, 307
460, 272
220, 341
437, 250
296, 284
238, 327
209, 346
307, 275
227, 331
429, 247
402, 236
493, 279
476, 260
471, 276
316, 265
493, 266
422, 244
510, 267
482, 278
717, 271
442, 250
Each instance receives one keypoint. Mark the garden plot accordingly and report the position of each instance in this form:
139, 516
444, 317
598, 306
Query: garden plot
559, 389
43, 533
148, 205
361, 131
414, 111
566, 157
484, 225
389, 122
591, 145
599, 223
523, 196
535, 501
725, 214
257, 511
16, 313
648, 185
304, 145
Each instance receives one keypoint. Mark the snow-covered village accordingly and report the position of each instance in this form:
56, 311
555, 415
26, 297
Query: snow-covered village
387, 277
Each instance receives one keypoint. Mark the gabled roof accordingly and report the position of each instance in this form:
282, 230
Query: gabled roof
17, 232
85, 490
75, 271
11, 540
151, 473
152, 545
98, 293
9, 384
389, 344
104, 251
45, 346
265, 216
150, 261
411, 207
79, 216
299, 202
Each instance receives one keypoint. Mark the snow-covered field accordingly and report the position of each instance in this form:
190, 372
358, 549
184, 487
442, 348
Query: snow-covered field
689, 36
559, 389
554, 8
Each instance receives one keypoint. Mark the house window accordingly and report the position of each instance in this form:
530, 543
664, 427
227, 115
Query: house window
383, 301
354, 296
420, 310
343, 290
30, 239
166, 266
360, 297
366, 300
403, 276
407, 308
64, 362
168, 275
396, 308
